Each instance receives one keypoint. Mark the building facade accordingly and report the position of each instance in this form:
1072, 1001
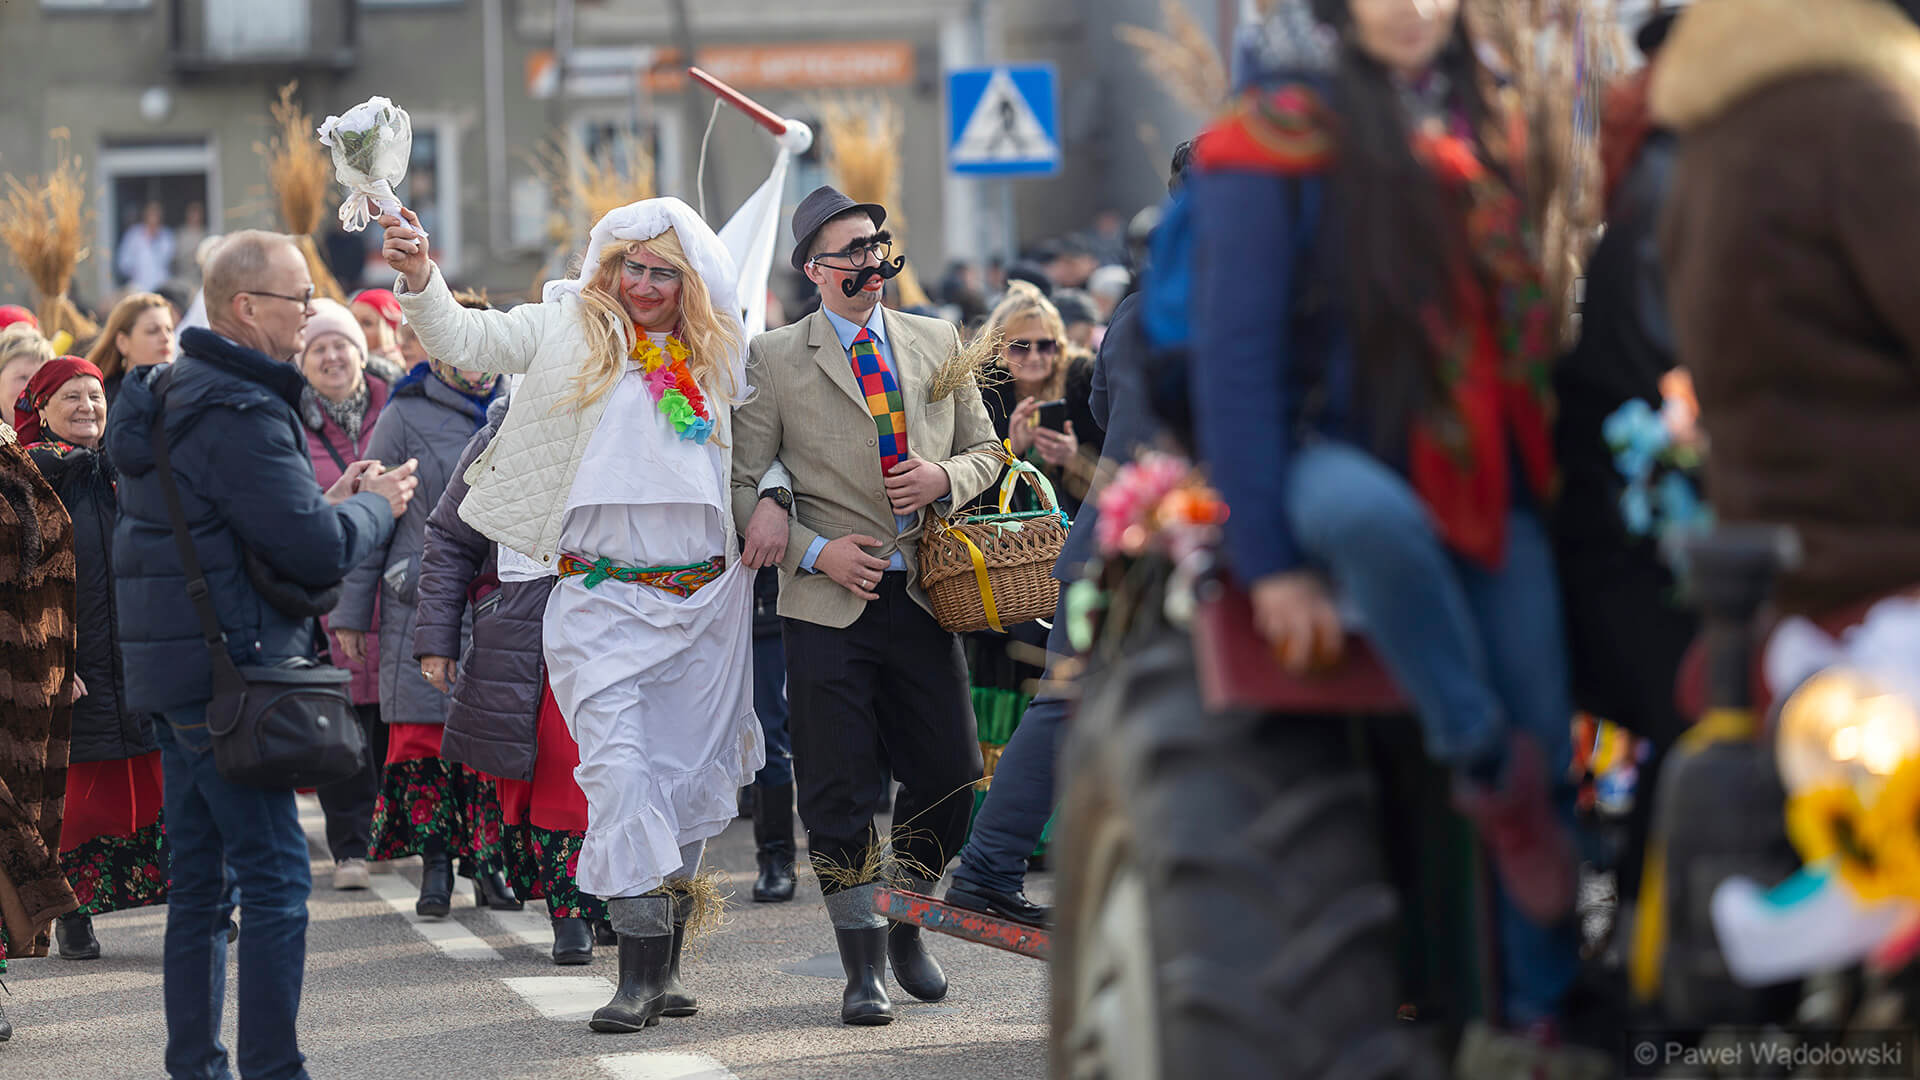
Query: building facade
167, 100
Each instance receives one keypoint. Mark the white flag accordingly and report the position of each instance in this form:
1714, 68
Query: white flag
749, 236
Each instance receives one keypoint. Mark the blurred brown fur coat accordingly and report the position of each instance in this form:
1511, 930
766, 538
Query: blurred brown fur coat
1790, 238
36, 663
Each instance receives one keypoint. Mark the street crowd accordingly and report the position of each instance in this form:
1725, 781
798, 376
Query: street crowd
535, 571
599, 562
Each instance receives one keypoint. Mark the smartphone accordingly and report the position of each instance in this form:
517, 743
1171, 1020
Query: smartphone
1053, 414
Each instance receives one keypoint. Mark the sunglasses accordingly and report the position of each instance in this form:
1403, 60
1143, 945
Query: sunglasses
1044, 346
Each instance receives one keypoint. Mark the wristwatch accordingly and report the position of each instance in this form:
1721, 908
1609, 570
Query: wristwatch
780, 495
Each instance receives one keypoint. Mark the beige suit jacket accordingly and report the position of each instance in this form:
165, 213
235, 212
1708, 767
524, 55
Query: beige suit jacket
807, 411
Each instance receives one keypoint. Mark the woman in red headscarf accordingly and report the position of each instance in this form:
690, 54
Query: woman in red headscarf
112, 844
378, 313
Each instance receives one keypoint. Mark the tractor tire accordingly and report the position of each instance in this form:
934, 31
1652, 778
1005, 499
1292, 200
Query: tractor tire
1223, 909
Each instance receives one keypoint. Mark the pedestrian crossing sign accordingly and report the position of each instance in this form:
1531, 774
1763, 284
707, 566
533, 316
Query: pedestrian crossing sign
1002, 121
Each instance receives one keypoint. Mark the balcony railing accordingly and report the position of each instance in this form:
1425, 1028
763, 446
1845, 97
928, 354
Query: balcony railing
213, 36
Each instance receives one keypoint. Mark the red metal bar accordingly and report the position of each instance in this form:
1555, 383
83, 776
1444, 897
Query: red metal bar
928, 913
755, 111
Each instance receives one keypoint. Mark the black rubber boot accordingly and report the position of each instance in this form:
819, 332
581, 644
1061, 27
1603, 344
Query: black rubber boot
773, 835
644, 962
915, 969
6, 1028
863, 953
490, 890
572, 942
436, 885
75, 935
677, 1002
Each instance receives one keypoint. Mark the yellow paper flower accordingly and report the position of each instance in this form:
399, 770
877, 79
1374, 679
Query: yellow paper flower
676, 349
649, 355
1896, 827
1829, 823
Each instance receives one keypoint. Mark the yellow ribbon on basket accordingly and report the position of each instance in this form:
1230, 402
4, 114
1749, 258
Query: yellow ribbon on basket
980, 579
1016, 469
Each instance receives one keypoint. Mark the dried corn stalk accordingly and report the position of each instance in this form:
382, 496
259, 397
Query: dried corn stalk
863, 137
300, 173
1182, 59
44, 225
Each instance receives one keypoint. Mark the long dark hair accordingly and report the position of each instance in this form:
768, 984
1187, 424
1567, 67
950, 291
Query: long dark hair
1400, 240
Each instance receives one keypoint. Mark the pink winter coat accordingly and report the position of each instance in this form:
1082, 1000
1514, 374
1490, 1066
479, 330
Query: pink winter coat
366, 675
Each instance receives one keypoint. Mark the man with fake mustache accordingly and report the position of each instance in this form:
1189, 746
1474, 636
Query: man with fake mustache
876, 688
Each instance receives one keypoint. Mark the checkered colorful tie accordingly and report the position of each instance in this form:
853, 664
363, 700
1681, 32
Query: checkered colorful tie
883, 399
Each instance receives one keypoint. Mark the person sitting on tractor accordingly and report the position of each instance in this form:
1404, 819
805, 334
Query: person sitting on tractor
1370, 350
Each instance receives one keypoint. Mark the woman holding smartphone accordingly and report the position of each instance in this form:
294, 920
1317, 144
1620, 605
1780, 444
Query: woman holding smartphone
1040, 406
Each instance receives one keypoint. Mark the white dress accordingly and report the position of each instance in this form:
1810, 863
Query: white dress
657, 689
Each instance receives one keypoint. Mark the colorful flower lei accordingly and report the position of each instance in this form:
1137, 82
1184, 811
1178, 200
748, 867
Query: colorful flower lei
672, 386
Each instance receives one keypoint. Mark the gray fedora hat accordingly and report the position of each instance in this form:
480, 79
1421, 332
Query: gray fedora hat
816, 210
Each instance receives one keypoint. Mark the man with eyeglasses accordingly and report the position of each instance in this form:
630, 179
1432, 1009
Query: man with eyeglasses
259, 524
876, 688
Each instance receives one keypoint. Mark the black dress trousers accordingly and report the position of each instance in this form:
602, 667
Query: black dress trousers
886, 697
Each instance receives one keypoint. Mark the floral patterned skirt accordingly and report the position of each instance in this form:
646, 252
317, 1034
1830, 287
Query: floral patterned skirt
113, 845
541, 823
424, 799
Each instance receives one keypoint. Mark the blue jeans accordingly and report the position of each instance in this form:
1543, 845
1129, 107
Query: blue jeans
1019, 802
1481, 652
230, 844
770, 702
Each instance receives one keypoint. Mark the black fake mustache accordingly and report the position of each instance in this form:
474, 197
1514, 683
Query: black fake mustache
885, 271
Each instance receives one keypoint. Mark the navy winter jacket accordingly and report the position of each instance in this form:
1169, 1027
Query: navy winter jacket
241, 461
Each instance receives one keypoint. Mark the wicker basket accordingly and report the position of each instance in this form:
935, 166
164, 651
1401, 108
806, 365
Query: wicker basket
992, 571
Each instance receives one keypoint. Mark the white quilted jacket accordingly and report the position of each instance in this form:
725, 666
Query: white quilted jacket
521, 483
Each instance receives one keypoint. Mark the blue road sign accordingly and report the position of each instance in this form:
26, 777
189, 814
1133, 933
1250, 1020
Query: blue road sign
1002, 121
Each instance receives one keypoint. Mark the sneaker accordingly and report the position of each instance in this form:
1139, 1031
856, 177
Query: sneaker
1532, 849
350, 874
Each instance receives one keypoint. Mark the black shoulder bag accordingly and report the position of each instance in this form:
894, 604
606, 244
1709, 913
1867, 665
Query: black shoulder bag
291, 725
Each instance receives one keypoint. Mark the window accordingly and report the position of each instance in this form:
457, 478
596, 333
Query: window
179, 179
237, 29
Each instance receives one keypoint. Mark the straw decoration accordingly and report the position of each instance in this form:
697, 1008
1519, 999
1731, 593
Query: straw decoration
300, 172
975, 363
1182, 59
43, 224
587, 187
1558, 56
863, 137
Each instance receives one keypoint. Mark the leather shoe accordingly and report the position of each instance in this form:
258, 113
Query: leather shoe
1013, 906
572, 942
6, 1029
490, 890
436, 886
75, 934
603, 933
915, 969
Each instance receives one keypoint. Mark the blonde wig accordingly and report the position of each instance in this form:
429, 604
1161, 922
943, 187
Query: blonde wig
1023, 301
712, 338
105, 353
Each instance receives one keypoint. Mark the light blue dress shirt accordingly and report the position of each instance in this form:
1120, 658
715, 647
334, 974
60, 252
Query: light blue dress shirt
846, 332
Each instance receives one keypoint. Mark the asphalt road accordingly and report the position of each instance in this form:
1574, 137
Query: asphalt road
477, 996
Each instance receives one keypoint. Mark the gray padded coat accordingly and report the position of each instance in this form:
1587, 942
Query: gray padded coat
493, 720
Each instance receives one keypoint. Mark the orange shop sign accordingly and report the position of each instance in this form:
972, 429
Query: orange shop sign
610, 72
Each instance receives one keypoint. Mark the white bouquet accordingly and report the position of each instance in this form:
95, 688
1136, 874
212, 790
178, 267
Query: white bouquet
371, 145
